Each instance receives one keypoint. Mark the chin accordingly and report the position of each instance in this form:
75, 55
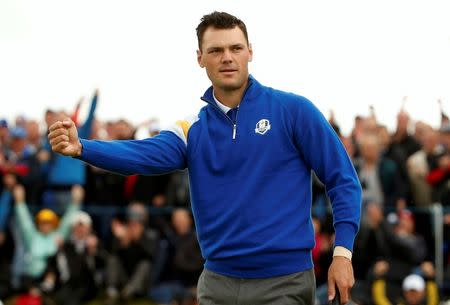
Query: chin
231, 85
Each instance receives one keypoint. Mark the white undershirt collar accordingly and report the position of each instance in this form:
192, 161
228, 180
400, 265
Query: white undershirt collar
222, 107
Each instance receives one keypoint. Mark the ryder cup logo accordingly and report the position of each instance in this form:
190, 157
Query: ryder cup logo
262, 126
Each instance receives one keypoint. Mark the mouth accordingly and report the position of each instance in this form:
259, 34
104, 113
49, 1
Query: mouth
227, 71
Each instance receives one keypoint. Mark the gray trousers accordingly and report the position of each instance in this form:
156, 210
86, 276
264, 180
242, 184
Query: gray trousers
292, 289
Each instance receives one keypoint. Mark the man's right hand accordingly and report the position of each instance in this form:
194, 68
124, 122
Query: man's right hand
63, 138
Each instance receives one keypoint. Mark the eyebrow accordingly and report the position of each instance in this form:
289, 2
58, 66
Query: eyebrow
214, 48
222, 47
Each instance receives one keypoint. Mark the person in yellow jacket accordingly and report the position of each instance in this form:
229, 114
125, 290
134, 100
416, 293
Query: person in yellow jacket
415, 289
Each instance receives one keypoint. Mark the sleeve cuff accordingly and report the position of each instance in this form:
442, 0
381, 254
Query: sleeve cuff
83, 145
345, 235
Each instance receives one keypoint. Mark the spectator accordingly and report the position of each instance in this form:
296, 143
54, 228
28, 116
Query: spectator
373, 242
439, 173
147, 189
382, 244
73, 274
4, 133
379, 241
188, 261
20, 160
419, 165
402, 146
178, 189
33, 134
185, 262
409, 238
414, 289
397, 244
41, 240
393, 152
379, 176
63, 173
121, 130
129, 266
401, 138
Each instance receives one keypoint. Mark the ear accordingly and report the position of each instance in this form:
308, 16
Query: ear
199, 59
250, 51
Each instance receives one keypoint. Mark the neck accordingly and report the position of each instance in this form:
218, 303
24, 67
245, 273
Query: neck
230, 98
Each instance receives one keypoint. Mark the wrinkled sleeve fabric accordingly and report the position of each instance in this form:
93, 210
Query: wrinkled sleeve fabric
322, 149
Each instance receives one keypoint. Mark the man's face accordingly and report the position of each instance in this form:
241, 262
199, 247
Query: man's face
45, 227
181, 222
370, 150
81, 231
225, 55
18, 144
414, 297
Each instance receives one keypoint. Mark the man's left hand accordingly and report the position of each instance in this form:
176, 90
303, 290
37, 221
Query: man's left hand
340, 274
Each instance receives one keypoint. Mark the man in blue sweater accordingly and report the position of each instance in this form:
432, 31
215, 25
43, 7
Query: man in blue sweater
250, 152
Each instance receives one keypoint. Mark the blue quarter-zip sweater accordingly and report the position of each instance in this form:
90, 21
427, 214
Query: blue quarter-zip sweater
250, 179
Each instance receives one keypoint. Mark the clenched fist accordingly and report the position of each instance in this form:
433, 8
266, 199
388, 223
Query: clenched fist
63, 138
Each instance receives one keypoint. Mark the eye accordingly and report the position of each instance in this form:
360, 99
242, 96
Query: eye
214, 51
237, 48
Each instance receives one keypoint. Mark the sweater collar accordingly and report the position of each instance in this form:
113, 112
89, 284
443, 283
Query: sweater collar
252, 90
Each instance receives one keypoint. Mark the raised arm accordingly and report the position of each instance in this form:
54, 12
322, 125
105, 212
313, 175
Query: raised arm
23, 216
161, 154
86, 128
77, 196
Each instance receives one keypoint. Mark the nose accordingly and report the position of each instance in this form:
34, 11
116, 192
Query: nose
227, 57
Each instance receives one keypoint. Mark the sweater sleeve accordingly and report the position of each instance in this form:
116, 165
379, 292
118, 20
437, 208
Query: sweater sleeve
322, 149
161, 154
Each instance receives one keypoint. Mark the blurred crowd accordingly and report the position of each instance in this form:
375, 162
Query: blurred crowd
70, 233
403, 175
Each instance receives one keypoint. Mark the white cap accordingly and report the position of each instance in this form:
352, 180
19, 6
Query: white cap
413, 282
83, 218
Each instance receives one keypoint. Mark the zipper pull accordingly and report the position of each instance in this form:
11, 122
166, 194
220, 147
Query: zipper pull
234, 131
